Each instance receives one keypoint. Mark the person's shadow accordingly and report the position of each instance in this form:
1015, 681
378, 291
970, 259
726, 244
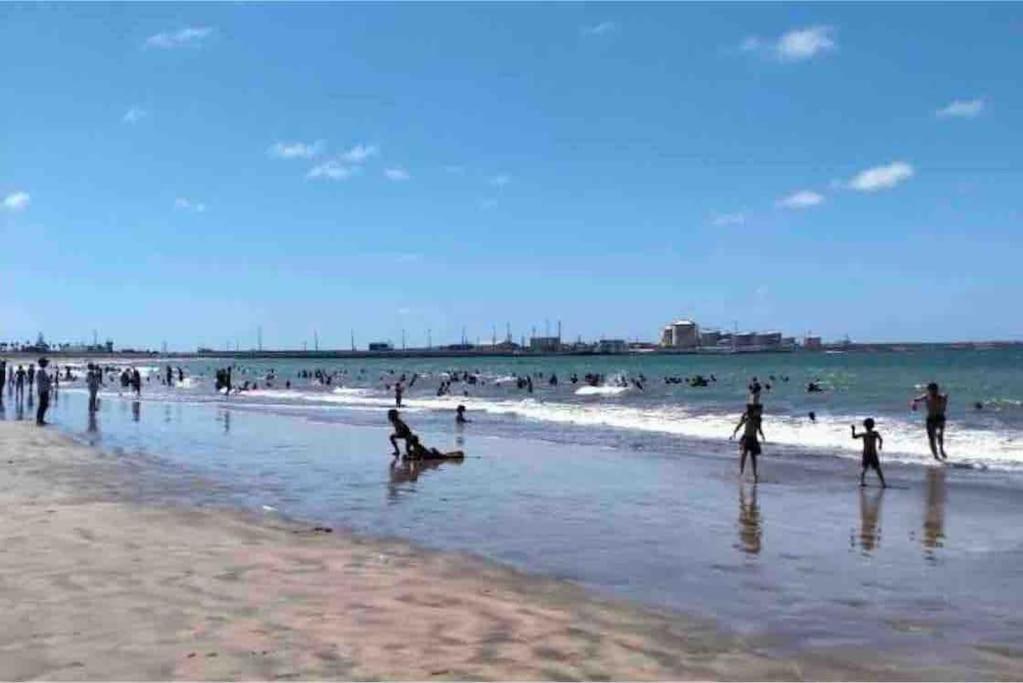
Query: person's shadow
750, 525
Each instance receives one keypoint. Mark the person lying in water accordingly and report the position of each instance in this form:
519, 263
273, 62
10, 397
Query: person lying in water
417, 451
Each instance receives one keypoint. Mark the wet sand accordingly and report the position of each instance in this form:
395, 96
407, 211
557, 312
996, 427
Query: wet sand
96, 587
107, 577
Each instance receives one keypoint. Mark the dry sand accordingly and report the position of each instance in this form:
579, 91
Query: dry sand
98, 585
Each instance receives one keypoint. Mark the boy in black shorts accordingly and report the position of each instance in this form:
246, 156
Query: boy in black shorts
872, 443
748, 444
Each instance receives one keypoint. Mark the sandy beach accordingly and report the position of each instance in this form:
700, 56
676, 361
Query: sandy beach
95, 587
109, 574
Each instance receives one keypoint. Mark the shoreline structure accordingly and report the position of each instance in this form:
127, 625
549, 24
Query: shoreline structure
485, 352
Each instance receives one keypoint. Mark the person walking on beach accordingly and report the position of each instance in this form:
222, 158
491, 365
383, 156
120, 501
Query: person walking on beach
43, 386
752, 424
19, 383
31, 378
93, 379
136, 382
872, 443
397, 394
3, 378
936, 403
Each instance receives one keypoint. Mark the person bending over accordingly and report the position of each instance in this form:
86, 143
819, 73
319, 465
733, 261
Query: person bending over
401, 431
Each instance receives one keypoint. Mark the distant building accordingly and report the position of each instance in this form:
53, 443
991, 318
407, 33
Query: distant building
612, 346
681, 334
710, 338
744, 340
381, 346
767, 339
813, 343
545, 344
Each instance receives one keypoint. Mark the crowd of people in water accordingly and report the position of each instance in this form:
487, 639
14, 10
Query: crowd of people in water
38, 381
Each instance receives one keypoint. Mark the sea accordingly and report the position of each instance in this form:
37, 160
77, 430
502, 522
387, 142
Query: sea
628, 484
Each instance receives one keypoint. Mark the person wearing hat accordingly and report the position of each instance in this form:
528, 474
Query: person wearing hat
43, 383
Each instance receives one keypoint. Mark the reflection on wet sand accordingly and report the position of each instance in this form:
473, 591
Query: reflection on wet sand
750, 530
93, 429
934, 514
136, 410
870, 519
408, 471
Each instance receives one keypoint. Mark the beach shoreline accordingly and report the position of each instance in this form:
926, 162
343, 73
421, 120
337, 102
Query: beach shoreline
112, 555
99, 588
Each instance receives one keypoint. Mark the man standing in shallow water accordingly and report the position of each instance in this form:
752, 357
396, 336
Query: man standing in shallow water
936, 405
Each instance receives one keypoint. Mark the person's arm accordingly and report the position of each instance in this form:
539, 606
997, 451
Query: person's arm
742, 421
880, 442
854, 434
760, 428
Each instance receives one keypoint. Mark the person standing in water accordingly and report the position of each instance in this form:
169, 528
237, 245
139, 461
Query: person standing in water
93, 379
936, 403
872, 443
19, 383
397, 394
43, 386
752, 421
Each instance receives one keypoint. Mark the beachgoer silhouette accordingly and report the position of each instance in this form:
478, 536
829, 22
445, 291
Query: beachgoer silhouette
872, 443
936, 403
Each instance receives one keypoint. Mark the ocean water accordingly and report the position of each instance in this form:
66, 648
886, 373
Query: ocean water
663, 415
634, 492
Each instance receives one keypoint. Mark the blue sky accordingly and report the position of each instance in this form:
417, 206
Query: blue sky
188, 172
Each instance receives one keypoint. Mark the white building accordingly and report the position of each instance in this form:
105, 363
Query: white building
681, 334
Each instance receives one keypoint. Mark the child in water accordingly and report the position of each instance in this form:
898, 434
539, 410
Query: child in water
872, 443
748, 445
401, 431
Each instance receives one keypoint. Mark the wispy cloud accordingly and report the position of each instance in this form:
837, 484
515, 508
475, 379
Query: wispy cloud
191, 36
961, 109
396, 174
17, 201
332, 170
881, 177
296, 150
134, 115
599, 29
184, 204
359, 153
725, 219
797, 45
803, 199
500, 180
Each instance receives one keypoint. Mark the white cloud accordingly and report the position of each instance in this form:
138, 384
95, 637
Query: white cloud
500, 180
332, 170
17, 201
724, 219
189, 36
359, 154
599, 29
296, 150
189, 205
803, 199
961, 109
396, 174
881, 177
134, 115
796, 45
